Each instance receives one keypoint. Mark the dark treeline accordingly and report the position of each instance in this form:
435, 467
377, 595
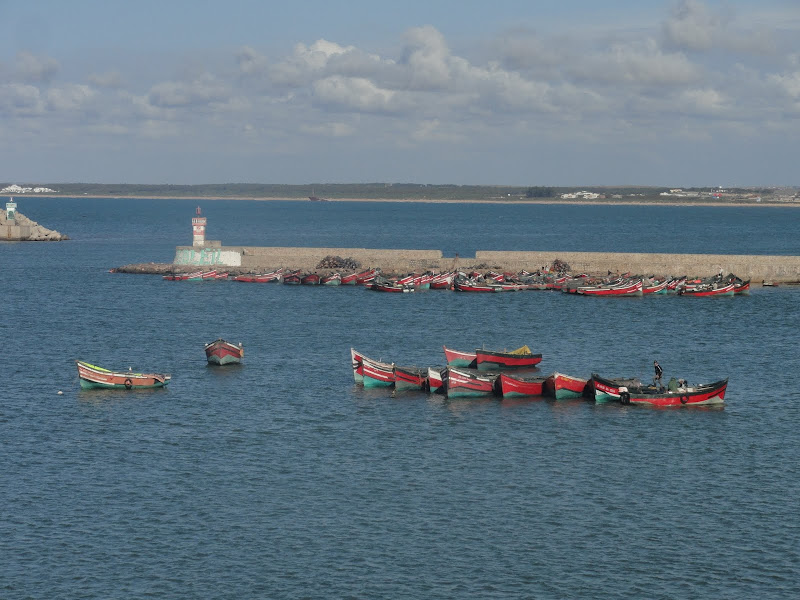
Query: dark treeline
400, 191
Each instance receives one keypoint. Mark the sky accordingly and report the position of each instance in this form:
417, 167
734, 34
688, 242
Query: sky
678, 93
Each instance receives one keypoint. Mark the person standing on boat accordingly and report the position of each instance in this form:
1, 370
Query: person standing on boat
659, 372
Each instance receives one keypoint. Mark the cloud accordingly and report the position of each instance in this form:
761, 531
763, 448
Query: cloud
68, 97
693, 26
355, 93
176, 94
17, 99
335, 130
638, 63
110, 80
35, 69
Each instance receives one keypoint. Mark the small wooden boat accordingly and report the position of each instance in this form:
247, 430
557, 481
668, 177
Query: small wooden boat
443, 281
628, 288
370, 372
376, 373
437, 380
349, 279
92, 376
391, 287
292, 278
741, 287
655, 287
520, 358
512, 386
468, 384
410, 378
563, 386
245, 278
310, 279
609, 389
332, 279
202, 276
700, 395
366, 277
220, 352
703, 290
456, 358
465, 286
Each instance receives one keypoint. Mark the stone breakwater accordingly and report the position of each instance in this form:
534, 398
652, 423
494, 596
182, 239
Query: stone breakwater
23, 229
251, 259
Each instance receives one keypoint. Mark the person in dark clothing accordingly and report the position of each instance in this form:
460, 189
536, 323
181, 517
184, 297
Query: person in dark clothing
659, 372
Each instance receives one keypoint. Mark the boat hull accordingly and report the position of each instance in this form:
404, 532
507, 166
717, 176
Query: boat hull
462, 384
220, 352
515, 387
564, 387
488, 360
94, 377
702, 395
456, 358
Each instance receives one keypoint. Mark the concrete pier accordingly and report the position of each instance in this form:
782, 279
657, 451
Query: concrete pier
259, 258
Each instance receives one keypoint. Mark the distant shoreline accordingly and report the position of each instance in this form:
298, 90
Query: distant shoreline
570, 202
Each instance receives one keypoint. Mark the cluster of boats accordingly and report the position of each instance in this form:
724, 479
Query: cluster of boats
486, 373
218, 352
493, 281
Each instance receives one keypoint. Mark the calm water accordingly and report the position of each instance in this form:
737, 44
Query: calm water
281, 479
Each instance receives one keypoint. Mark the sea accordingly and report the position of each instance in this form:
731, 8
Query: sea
281, 478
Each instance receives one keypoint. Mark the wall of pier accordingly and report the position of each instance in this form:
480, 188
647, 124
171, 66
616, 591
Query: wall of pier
258, 258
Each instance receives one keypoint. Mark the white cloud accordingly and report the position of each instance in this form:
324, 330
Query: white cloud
202, 91
111, 80
35, 69
68, 97
335, 130
354, 93
20, 99
693, 26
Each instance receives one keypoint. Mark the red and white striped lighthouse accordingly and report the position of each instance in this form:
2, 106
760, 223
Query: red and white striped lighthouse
198, 229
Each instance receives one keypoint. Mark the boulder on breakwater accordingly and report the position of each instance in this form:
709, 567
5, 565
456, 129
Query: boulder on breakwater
23, 229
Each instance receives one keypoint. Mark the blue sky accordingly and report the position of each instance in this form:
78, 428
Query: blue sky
510, 92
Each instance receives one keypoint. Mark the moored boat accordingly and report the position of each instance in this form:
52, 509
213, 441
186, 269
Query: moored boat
704, 290
563, 386
221, 352
332, 279
468, 384
627, 288
520, 358
376, 373
92, 376
699, 395
410, 378
609, 389
310, 279
437, 380
457, 358
512, 386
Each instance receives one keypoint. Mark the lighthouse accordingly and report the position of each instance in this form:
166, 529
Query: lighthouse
198, 229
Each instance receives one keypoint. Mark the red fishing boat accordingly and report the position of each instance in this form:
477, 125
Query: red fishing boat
92, 376
566, 386
292, 278
437, 380
366, 277
331, 280
699, 395
245, 278
466, 384
391, 287
456, 358
703, 290
512, 386
516, 359
443, 281
628, 288
220, 352
349, 279
465, 286
741, 287
310, 279
376, 374
655, 287
410, 378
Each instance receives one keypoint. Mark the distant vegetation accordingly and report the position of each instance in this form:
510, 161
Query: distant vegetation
389, 191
